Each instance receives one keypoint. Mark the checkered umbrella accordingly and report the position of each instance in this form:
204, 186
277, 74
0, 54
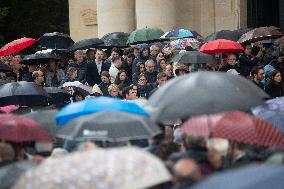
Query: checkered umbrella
235, 126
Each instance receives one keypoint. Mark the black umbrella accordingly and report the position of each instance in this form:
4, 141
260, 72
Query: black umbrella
115, 39
110, 126
58, 95
25, 110
23, 93
55, 40
46, 119
86, 44
203, 93
193, 57
5, 68
223, 34
40, 57
10, 174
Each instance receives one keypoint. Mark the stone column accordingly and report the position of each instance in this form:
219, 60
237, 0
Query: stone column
155, 13
83, 19
207, 17
115, 16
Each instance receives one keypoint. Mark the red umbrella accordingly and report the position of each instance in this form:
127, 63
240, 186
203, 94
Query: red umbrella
16, 46
221, 46
235, 126
16, 128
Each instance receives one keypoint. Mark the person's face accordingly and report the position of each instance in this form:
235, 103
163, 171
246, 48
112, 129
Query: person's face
118, 63
99, 55
135, 88
248, 49
145, 52
130, 60
141, 68
136, 52
260, 75
154, 51
16, 59
150, 67
71, 61
114, 92
132, 95
163, 65
114, 54
277, 78
122, 76
73, 75
160, 56
169, 70
105, 79
78, 98
52, 64
162, 81
79, 57
91, 55
142, 81
3, 59
40, 78
231, 59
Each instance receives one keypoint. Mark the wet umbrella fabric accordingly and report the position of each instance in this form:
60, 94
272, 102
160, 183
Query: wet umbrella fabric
86, 44
248, 177
193, 57
223, 34
259, 34
23, 93
76, 85
9, 174
112, 126
145, 35
99, 104
16, 128
58, 95
55, 40
180, 33
46, 119
40, 57
272, 111
221, 46
16, 46
115, 39
237, 127
203, 93
125, 167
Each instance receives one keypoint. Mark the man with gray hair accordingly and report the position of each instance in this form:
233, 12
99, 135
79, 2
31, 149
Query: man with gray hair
80, 65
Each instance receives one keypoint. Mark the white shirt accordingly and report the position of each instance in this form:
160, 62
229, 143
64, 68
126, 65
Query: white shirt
113, 71
99, 66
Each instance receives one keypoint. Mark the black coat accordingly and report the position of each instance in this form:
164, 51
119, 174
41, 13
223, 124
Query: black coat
92, 75
274, 90
246, 63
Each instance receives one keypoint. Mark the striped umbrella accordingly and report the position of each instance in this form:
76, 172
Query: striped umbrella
235, 126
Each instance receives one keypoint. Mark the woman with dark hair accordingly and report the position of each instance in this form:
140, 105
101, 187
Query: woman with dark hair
78, 96
162, 64
144, 88
275, 87
141, 70
122, 79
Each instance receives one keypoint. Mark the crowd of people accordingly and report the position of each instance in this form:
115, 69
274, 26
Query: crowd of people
137, 72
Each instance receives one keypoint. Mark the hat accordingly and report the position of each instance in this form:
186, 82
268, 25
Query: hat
233, 71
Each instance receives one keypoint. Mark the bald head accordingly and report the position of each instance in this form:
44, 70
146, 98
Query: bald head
187, 169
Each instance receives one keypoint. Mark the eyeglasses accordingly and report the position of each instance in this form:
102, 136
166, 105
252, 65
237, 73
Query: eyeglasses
142, 79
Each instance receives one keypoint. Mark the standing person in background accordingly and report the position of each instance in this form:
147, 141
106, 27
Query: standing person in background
105, 77
122, 79
38, 77
53, 75
80, 65
90, 55
275, 87
116, 63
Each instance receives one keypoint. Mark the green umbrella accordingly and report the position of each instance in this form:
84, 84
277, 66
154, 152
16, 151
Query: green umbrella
145, 35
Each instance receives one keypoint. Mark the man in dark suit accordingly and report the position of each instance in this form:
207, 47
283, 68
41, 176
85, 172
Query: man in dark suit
94, 70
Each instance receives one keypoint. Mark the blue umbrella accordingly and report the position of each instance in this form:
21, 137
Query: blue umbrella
272, 111
180, 33
250, 177
99, 104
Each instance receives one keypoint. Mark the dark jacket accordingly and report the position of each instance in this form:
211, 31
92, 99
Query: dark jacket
81, 71
136, 63
151, 77
144, 90
274, 90
104, 88
246, 63
228, 67
92, 75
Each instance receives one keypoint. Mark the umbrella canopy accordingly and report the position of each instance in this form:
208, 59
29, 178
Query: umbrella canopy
86, 44
272, 111
180, 33
16, 46
145, 35
55, 40
203, 93
115, 39
76, 85
5, 68
235, 126
46, 119
23, 93
40, 57
221, 46
58, 95
193, 57
248, 177
16, 128
127, 168
259, 34
9, 174
185, 42
224, 34
113, 126
99, 104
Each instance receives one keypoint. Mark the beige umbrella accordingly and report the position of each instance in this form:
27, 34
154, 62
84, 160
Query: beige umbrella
114, 168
